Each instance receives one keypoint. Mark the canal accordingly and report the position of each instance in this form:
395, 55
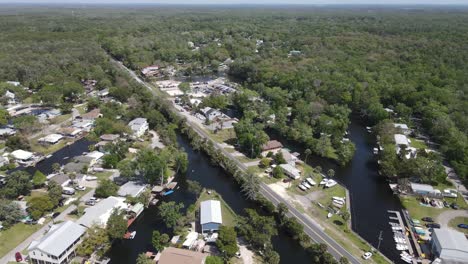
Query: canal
370, 194
210, 177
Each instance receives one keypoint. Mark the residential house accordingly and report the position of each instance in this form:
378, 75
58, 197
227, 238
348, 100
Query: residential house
4, 161
401, 141
22, 155
58, 245
109, 137
60, 178
79, 164
71, 132
449, 245
11, 97
210, 216
139, 126
95, 157
131, 188
271, 146
403, 128
91, 115
211, 113
291, 171
150, 71
103, 93
289, 157
6, 132
100, 213
171, 255
51, 139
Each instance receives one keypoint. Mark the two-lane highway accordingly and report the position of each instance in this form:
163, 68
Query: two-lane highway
315, 232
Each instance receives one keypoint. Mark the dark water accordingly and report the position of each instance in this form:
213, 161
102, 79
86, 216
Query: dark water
211, 177
62, 157
370, 194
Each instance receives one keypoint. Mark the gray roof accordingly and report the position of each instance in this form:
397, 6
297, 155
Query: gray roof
131, 188
210, 212
422, 187
59, 238
454, 245
99, 213
60, 178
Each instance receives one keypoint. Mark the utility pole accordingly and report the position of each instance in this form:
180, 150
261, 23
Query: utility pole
380, 240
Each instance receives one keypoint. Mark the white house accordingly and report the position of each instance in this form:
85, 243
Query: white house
100, 213
58, 245
402, 140
22, 155
403, 127
211, 113
291, 171
51, 139
139, 126
210, 215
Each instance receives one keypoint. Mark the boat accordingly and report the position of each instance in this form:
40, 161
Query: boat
329, 215
168, 192
306, 185
338, 202
321, 205
311, 182
338, 198
302, 187
324, 181
130, 235
330, 183
337, 205
376, 151
48, 156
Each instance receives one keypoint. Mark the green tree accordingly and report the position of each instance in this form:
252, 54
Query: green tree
126, 168
169, 212
54, 191
343, 260
17, 142
227, 242
279, 158
257, 229
56, 167
39, 205
97, 240
251, 186
10, 213
116, 225
4, 117
110, 161
159, 241
264, 163
143, 259
307, 153
278, 172
106, 188
181, 162
39, 179
331, 173
18, 183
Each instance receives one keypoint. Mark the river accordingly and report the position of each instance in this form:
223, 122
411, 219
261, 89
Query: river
370, 194
211, 177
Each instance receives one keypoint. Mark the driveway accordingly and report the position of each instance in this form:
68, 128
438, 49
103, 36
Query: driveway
444, 218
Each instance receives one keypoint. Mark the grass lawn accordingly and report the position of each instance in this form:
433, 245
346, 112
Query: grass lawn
229, 217
419, 144
60, 119
459, 220
245, 159
418, 211
13, 236
81, 109
223, 135
103, 175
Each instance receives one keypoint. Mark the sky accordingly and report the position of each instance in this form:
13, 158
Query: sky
311, 2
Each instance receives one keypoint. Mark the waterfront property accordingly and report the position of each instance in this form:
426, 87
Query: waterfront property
449, 245
291, 171
58, 245
271, 146
131, 188
210, 216
100, 213
51, 139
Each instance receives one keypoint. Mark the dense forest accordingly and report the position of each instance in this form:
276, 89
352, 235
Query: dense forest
345, 62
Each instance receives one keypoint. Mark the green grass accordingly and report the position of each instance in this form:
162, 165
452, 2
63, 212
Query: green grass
419, 144
103, 175
229, 217
81, 109
418, 211
13, 236
46, 149
60, 119
223, 135
459, 220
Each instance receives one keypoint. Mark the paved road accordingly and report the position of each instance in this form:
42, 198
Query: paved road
453, 177
444, 218
10, 256
311, 229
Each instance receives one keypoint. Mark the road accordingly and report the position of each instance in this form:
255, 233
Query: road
444, 218
310, 227
10, 256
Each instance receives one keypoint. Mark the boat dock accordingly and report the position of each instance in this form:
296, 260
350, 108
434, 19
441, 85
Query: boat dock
402, 241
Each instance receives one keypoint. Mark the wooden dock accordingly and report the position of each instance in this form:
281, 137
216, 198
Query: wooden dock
402, 225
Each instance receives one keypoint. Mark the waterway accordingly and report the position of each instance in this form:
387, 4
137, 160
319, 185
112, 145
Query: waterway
370, 194
210, 177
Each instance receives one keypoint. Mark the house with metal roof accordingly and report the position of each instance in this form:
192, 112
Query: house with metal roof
51, 139
291, 171
210, 216
450, 246
131, 188
58, 245
100, 213
139, 126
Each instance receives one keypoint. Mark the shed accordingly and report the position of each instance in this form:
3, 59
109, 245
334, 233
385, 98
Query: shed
449, 245
421, 188
210, 215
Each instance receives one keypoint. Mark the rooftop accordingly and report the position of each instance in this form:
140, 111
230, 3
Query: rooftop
52, 138
109, 137
401, 139
454, 245
272, 144
91, 115
210, 212
99, 213
131, 188
21, 154
59, 238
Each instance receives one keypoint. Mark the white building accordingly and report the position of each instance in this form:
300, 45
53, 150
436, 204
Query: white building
402, 140
22, 155
449, 245
403, 127
100, 213
291, 171
211, 113
51, 139
139, 126
58, 245
210, 215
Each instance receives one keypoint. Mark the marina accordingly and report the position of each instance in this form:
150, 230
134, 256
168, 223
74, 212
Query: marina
400, 236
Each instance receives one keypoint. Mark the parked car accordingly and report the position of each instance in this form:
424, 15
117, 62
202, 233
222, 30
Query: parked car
465, 226
454, 206
446, 204
433, 225
30, 222
287, 180
80, 188
90, 202
54, 215
428, 219
62, 201
367, 255
68, 191
18, 257
120, 180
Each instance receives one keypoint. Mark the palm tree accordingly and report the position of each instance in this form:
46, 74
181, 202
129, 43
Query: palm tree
251, 186
331, 173
307, 153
